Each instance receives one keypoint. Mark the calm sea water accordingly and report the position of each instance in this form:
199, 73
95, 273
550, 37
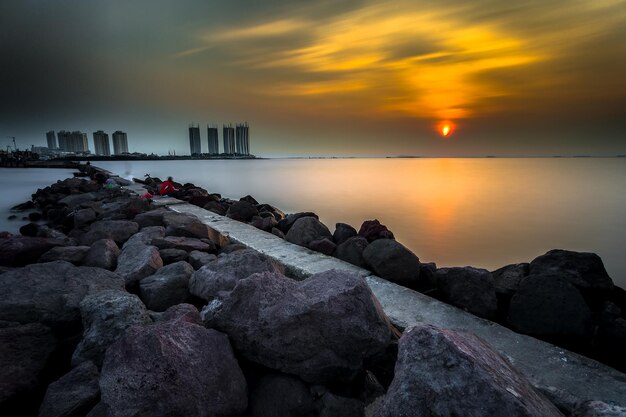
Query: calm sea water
480, 212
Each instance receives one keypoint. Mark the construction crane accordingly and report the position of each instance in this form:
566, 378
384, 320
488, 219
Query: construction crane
14, 145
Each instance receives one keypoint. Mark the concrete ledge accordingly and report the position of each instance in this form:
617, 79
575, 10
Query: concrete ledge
542, 363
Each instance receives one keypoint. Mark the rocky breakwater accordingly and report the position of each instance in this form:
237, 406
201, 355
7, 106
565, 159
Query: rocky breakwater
139, 312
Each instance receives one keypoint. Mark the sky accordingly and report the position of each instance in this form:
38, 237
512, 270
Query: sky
321, 78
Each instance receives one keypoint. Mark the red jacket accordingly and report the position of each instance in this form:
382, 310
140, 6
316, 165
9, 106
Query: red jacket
167, 187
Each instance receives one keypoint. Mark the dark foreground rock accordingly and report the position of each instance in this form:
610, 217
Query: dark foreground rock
508, 278
22, 250
167, 287
74, 394
72, 254
351, 250
172, 369
281, 395
392, 261
469, 288
306, 230
137, 261
321, 329
444, 373
103, 254
343, 232
598, 409
117, 230
372, 230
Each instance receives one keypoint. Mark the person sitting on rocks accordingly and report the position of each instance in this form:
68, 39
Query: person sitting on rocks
167, 187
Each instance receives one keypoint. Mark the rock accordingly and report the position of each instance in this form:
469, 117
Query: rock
305, 230
469, 288
173, 219
219, 277
145, 236
598, 409
35, 216
321, 329
184, 243
331, 405
29, 230
83, 217
24, 206
50, 293
264, 223
325, 246
216, 207
24, 353
117, 230
198, 259
508, 278
74, 394
445, 373
45, 231
584, 270
170, 256
21, 250
182, 312
138, 261
202, 200
372, 230
277, 232
281, 395
392, 261
172, 368
167, 287
100, 410
106, 315
196, 230
151, 218
248, 198
71, 254
549, 306
343, 232
351, 250
230, 248
75, 200
102, 254
275, 212
285, 224
242, 211
428, 276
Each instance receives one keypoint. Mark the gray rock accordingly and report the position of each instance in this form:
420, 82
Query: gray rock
151, 218
392, 261
22, 250
100, 410
199, 259
264, 223
584, 270
103, 254
331, 405
83, 217
321, 329
281, 395
169, 256
305, 230
325, 246
181, 312
469, 288
508, 278
75, 200
117, 230
184, 243
106, 315
197, 230
74, 394
549, 306
343, 232
598, 409
173, 219
242, 211
24, 353
285, 224
220, 277
167, 287
145, 236
172, 368
50, 293
351, 250
138, 261
441, 372
71, 254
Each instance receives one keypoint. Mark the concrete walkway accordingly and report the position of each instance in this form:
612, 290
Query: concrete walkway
542, 363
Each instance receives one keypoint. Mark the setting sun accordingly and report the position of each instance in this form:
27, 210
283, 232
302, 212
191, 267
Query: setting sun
445, 129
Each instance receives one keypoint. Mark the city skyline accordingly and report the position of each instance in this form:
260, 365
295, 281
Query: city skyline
346, 77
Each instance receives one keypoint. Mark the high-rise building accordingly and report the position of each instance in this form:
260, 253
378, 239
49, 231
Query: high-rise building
228, 136
213, 140
101, 143
52, 140
78, 142
242, 139
195, 146
64, 140
120, 142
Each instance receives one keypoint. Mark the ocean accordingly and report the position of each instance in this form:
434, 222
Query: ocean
483, 212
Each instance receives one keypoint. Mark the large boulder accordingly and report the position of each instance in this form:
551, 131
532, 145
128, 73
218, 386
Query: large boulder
24, 353
167, 287
281, 395
138, 261
145, 236
351, 250
583, 270
598, 409
373, 230
74, 394
151, 218
71, 254
174, 219
83, 217
469, 288
50, 293
198, 259
117, 230
343, 232
285, 224
75, 200
219, 277
184, 243
170, 256
102, 254
391, 260
331, 405
306, 230
548, 305
195, 229
441, 372
22, 250
508, 278
106, 315
172, 368
321, 329
242, 211
325, 246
